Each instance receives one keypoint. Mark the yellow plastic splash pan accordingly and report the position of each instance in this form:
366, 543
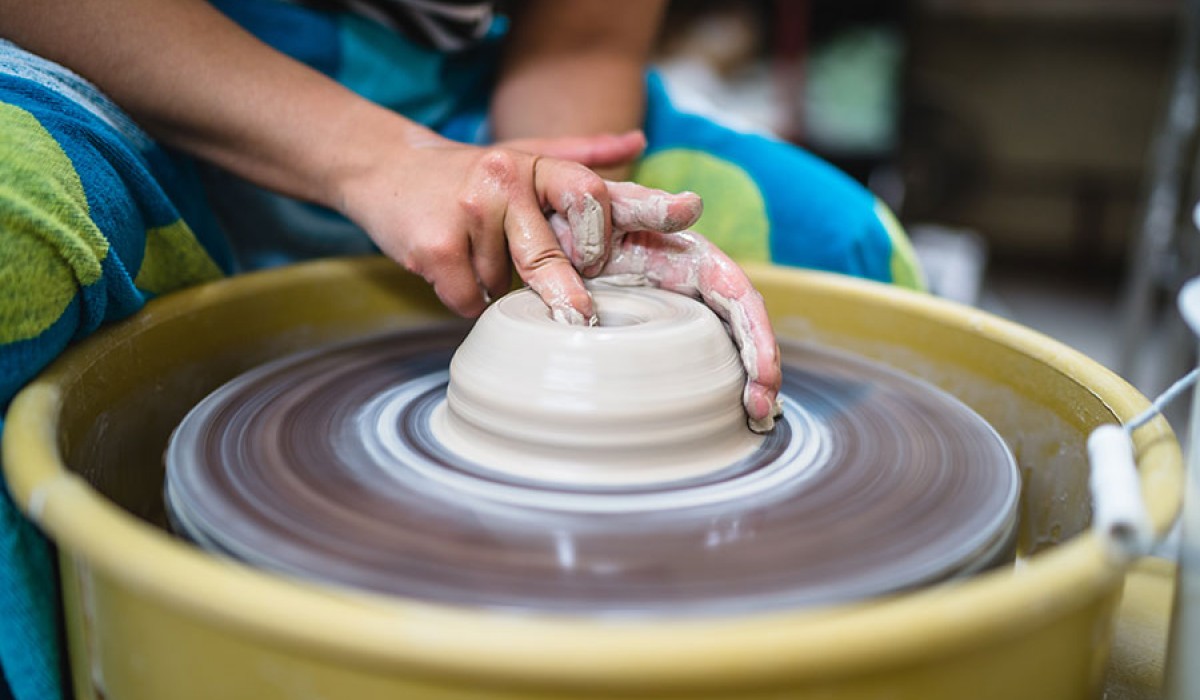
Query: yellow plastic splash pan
151, 617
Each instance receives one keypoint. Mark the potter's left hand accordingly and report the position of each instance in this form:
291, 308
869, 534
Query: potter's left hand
649, 239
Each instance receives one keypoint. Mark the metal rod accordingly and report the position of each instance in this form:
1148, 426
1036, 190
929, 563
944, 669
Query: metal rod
1183, 674
1160, 211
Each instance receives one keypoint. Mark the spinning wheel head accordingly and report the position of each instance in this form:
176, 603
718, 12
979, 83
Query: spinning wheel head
357, 465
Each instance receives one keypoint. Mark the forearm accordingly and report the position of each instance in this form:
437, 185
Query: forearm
575, 68
551, 98
197, 81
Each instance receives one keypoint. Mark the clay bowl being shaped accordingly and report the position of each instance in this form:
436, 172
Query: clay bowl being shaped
652, 393
152, 616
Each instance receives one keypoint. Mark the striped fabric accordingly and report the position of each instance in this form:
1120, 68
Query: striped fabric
447, 25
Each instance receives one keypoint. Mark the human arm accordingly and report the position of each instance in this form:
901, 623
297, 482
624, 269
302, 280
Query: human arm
198, 82
575, 67
452, 213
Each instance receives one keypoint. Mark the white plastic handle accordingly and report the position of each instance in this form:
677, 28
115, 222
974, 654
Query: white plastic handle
1118, 513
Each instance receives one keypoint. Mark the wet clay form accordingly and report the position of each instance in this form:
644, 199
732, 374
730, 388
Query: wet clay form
603, 470
651, 394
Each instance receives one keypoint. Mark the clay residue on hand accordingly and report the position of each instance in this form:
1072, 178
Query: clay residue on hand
572, 317
739, 327
558, 300
636, 208
587, 230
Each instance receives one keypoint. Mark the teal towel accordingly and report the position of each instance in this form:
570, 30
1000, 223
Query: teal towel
91, 226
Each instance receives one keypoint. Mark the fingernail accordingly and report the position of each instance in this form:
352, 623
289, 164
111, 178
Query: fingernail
762, 425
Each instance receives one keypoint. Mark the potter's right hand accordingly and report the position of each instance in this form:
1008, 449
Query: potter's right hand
650, 241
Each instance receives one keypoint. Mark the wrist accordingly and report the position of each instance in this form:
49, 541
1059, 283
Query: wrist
361, 144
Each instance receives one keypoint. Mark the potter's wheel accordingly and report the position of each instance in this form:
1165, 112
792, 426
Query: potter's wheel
335, 465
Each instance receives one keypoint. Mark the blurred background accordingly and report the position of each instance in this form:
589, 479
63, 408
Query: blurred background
1039, 152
